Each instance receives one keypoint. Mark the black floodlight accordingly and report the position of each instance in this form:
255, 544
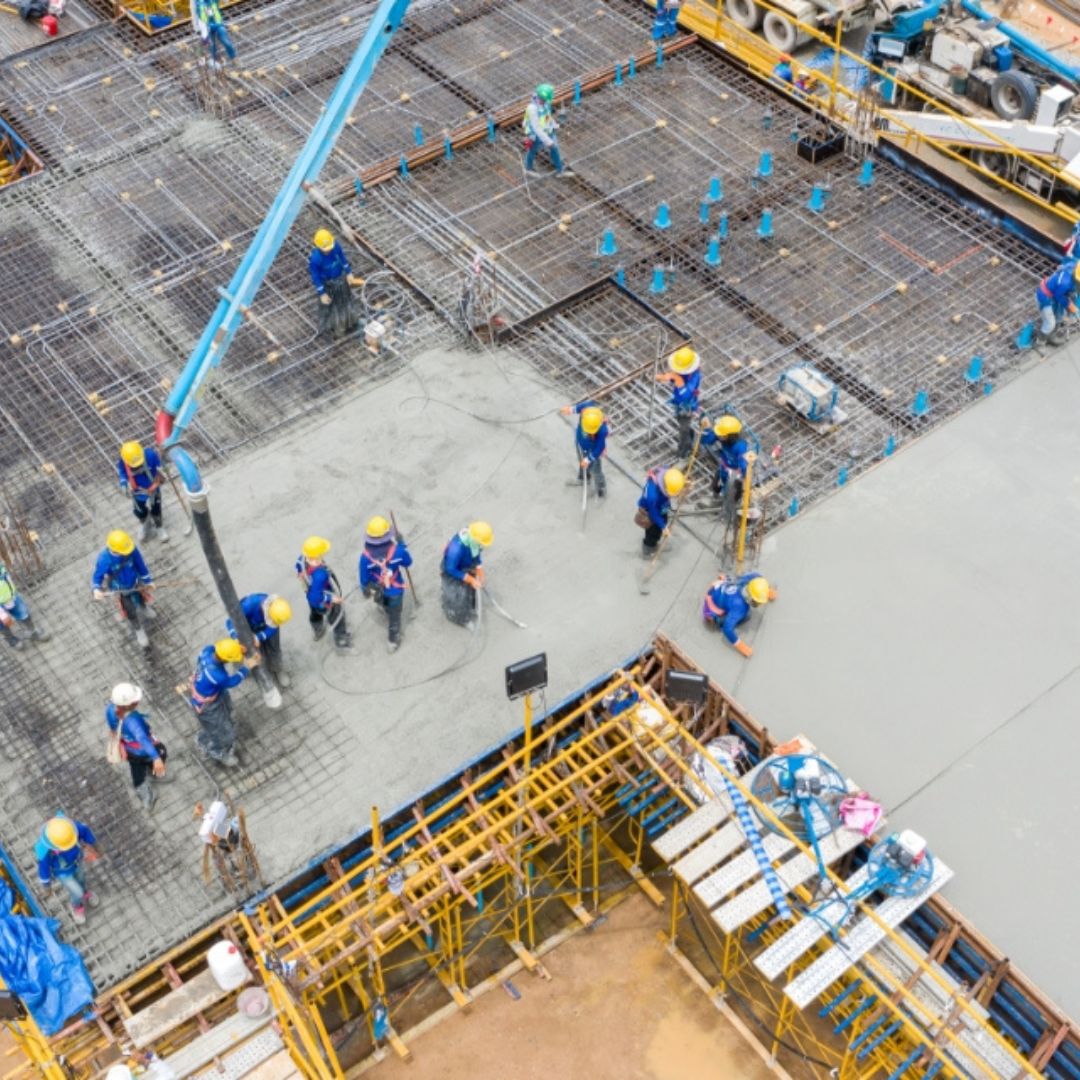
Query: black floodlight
526, 676
689, 686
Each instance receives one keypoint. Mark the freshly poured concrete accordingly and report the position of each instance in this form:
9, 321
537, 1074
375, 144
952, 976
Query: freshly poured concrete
927, 638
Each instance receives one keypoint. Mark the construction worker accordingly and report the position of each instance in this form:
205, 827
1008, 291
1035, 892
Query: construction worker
783, 71
1055, 296
266, 614
209, 24
462, 574
540, 127
684, 374
120, 568
323, 592
59, 852
143, 753
654, 506
666, 21
331, 275
590, 438
13, 609
382, 573
141, 478
728, 602
724, 440
219, 668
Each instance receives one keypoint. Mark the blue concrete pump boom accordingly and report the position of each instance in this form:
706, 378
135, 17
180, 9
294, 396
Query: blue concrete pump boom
179, 408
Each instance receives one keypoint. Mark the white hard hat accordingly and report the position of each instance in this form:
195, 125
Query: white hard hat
124, 695
120, 1072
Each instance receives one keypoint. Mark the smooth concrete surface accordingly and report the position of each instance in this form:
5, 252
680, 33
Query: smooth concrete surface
927, 638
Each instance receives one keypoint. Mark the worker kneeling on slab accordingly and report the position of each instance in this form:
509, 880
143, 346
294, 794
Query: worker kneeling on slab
265, 615
218, 669
654, 506
462, 574
382, 573
590, 439
1056, 296
729, 601
134, 741
59, 853
331, 275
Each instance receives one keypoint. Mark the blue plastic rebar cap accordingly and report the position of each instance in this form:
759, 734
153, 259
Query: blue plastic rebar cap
921, 405
403, 168
890, 445
607, 243
817, 199
793, 506
618, 74
988, 388
723, 231
841, 476
712, 255
663, 216
491, 129
657, 285
866, 173
659, 55
716, 189
577, 92
620, 276
703, 212
358, 186
765, 229
1026, 338
448, 149
418, 135
631, 67
764, 169
974, 370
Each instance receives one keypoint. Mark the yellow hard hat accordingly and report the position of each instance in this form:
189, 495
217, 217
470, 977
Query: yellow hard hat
315, 547
482, 533
683, 360
591, 419
1076, 272
757, 589
61, 833
727, 425
279, 611
131, 453
324, 239
229, 650
674, 481
119, 543
378, 526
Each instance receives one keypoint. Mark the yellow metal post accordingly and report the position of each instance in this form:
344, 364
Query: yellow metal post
837, 46
744, 510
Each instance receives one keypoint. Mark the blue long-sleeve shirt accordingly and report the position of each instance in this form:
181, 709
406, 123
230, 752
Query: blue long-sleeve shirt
56, 864
1059, 288
654, 500
141, 479
320, 585
122, 571
324, 266
729, 456
134, 734
212, 676
590, 447
458, 559
383, 566
726, 606
685, 389
253, 607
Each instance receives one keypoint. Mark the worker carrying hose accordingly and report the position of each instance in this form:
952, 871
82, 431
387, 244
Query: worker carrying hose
332, 277
382, 573
590, 440
120, 568
209, 24
265, 614
654, 506
14, 609
1056, 296
666, 21
60, 851
134, 740
219, 668
141, 478
462, 573
728, 603
326, 605
684, 374
727, 446
539, 126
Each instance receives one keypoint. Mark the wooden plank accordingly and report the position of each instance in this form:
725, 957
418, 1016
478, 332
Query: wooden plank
174, 1009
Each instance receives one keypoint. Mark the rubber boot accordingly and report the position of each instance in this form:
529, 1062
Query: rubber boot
35, 632
163, 534
11, 637
144, 530
78, 913
147, 795
284, 679
141, 638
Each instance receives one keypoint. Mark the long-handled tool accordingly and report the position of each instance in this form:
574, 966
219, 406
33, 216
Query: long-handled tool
183, 505
499, 609
584, 466
408, 573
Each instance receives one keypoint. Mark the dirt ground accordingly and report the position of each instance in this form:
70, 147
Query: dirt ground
617, 1006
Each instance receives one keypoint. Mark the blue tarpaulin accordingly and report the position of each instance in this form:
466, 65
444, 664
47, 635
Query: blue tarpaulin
49, 978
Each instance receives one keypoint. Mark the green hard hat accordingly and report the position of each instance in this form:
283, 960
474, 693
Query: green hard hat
545, 91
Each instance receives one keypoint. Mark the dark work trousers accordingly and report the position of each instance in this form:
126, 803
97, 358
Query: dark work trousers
320, 617
131, 604
142, 767
271, 652
339, 316
684, 417
151, 507
458, 600
394, 606
217, 728
595, 471
652, 538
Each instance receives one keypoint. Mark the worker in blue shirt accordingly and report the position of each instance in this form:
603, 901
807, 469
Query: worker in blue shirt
382, 573
14, 609
462, 572
326, 605
219, 668
141, 478
654, 506
1055, 296
590, 438
131, 731
59, 852
727, 445
783, 71
120, 568
539, 126
209, 24
666, 20
331, 275
266, 614
728, 602
684, 374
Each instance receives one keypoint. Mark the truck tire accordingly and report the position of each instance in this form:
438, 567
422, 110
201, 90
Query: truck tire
1014, 95
744, 12
780, 32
